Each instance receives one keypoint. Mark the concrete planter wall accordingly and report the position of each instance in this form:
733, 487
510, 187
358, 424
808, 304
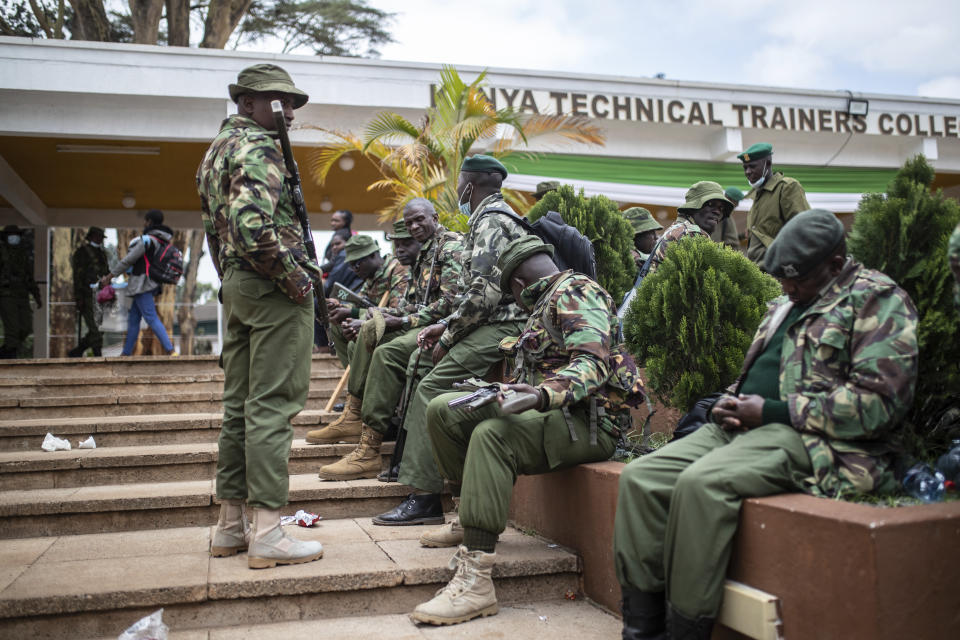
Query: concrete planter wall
840, 570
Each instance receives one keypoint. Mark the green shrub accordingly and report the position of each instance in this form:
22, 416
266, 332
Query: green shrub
904, 233
692, 321
599, 219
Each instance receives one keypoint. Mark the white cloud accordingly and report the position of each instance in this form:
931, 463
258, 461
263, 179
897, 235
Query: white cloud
942, 87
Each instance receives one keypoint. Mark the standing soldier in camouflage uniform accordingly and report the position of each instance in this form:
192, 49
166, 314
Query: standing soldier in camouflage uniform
89, 263
465, 342
645, 229
706, 205
776, 199
16, 285
256, 243
378, 275
726, 232
830, 372
953, 252
580, 385
432, 294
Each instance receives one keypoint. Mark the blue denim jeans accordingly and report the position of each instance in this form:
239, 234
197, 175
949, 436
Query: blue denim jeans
141, 306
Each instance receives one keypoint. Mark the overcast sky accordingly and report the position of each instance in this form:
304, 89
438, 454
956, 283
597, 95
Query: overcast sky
877, 46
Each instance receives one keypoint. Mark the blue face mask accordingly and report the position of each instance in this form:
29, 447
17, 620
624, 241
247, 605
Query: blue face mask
95, 244
465, 207
13, 240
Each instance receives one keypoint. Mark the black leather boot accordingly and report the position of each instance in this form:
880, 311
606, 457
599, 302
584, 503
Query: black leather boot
77, 351
684, 628
644, 615
390, 474
422, 509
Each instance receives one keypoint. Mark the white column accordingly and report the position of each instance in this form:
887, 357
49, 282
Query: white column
41, 273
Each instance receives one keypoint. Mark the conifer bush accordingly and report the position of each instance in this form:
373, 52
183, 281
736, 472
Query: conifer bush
904, 233
600, 220
692, 321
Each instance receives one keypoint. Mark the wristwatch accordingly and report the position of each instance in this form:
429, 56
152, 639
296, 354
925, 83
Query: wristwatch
405, 322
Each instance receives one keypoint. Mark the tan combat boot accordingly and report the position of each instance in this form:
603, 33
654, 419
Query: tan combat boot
270, 546
346, 428
449, 535
233, 531
468, 595
362, 462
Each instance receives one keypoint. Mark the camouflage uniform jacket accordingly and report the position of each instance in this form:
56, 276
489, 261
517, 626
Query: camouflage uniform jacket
847, 373
435, 283
567, 350
89, 265
481, 301
953, 252
248, 212
776, 201
16, 271
392, 277
683, 228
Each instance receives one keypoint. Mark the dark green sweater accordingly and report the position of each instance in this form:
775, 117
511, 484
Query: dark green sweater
763, 377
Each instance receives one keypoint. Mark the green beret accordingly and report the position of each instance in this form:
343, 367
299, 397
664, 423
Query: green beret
701, 193
261, 78
483, 164
756, 152
399, 231
359, 247
808, 238
641, 220
518, 252
734, 195
545, 187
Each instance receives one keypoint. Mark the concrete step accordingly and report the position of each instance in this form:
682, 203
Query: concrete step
134, 430
90, 586
553, 619
141, 464
164, 505
129, 365
120, 402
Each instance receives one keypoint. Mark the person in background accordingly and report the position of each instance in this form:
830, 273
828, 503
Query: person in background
140, 288
726, 232
706, 205
340, 220
545, 187
645, 229
16, 287
89, 263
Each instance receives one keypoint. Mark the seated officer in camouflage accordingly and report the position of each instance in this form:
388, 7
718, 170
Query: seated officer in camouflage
645, 229
268, 280
726, 232
953, 253
829, 374
776, 199
435, 281
465, 342
579, 382
89, 262
706, 205
379, 275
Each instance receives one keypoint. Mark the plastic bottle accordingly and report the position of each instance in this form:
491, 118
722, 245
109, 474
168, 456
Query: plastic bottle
949, 463
924, 483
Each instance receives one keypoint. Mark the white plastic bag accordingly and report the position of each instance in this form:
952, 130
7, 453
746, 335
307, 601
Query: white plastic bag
89, 443
53, 443
148, 628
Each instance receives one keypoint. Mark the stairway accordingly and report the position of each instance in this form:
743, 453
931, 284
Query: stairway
91, 540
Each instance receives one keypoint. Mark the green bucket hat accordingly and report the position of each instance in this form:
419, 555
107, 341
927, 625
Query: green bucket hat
700, 194
545, 187
518, 252
484, 164
803, 243
641, 220
399, 231
266, 77
359, 247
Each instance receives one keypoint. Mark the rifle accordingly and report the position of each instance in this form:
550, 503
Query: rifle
349, 295
393, 471
513, 401
296, 190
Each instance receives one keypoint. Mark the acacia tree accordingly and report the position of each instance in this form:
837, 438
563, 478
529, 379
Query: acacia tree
423, 160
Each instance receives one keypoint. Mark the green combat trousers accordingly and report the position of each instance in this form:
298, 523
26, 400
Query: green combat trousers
389, 370
485, 450
93, 338
340, 344
472, 356
678, 507
266, 371
17, 317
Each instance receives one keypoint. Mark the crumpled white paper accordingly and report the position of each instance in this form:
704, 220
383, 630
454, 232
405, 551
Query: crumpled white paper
87, 444
149, 628
53, 443
301, 518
